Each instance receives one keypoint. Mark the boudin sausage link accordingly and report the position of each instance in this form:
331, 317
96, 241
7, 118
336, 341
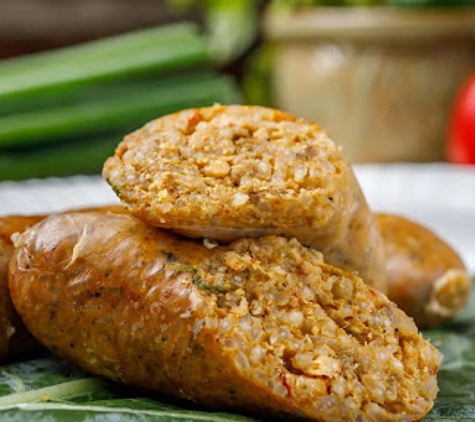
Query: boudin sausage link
261, 326
426, 277
228, 172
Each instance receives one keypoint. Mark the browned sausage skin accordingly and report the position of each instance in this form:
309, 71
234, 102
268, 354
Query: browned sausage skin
426, 277
14, 337
263, 325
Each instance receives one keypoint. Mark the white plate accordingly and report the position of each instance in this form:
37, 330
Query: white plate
440, 196
38, 196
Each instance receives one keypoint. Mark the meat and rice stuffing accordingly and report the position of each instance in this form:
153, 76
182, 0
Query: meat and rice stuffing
227, 172
262, 326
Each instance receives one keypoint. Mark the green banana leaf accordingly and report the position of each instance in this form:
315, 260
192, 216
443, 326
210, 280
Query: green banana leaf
48, 389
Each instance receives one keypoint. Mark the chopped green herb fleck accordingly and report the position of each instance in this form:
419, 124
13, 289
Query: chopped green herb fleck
197, 280
215, 289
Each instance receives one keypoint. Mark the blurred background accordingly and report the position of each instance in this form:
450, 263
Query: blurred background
390, 80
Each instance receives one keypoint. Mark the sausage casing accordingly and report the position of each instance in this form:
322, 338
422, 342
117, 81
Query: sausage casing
14, 337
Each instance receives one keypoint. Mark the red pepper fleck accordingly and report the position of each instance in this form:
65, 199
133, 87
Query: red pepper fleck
283, 377
195, 119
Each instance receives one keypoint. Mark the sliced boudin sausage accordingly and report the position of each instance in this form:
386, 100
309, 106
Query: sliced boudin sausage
227, 172
260, 326
426, 277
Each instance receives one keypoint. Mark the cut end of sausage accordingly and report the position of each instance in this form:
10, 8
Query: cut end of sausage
449, 295
221, 166
317, 337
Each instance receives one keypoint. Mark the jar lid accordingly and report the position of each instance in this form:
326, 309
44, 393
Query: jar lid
371, 24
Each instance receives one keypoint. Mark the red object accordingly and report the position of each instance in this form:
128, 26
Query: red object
461, 136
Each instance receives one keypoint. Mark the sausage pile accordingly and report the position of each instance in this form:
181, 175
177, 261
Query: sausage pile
230, 279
